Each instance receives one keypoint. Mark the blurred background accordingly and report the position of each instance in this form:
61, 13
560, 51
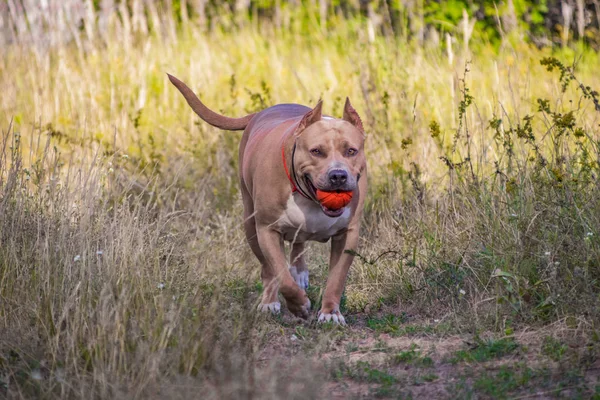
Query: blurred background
94, 71
543, 22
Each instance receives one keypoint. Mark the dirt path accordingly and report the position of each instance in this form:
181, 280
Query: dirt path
387, 357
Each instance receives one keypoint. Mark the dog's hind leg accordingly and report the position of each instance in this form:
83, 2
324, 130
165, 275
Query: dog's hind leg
276, 266
298, 267
270, 301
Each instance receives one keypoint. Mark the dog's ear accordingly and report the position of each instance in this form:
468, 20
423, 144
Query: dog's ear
352, 116
310, 117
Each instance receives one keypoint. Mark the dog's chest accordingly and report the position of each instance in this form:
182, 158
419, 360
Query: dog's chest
304, 220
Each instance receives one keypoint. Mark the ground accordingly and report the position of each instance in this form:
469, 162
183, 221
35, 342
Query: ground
405, 356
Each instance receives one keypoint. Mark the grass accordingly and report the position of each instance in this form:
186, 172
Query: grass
124, 271
503, 382
413, 357
554, 348
386, 324
400, 326
383, 383
485, 350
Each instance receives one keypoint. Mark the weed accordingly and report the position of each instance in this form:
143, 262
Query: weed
503, 382
372, 375
381, 346
553, 348
363, 372
351, 347
429, 377
387, 324
407, 356
485, 350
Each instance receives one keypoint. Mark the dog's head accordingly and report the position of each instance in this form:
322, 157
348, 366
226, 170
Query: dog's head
329, 152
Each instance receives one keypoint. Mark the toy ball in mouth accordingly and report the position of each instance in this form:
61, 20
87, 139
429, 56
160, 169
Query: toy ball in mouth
334, 200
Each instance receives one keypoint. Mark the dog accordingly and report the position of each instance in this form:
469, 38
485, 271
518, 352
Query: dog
289, 156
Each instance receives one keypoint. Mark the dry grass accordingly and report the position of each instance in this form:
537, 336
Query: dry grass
123, 267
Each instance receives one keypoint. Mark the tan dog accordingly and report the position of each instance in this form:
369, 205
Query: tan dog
287, 152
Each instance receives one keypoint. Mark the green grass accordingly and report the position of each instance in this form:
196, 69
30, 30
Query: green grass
500, 384
372, 375
399, 326
387, 324
519, 380
382, 383
554, 348
364, 372
485, 350
508, 381
413, 356
407, 356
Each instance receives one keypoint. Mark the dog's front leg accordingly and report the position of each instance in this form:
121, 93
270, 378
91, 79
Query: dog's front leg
276, 273
339, 264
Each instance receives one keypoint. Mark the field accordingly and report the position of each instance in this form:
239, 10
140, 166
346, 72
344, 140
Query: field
124, 271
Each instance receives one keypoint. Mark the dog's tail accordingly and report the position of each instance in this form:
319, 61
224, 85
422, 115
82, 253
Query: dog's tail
216, 120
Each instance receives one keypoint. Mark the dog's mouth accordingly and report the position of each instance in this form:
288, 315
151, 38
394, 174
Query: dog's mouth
312, 190
332, 213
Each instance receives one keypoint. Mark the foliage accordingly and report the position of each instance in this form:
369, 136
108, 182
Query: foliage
542, 22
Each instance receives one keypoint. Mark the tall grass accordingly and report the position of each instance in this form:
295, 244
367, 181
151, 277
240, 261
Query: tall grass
109, 293
123, 267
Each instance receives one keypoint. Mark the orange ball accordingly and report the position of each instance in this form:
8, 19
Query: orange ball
334, 200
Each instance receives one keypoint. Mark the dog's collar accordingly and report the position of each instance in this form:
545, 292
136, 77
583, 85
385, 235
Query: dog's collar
293, 180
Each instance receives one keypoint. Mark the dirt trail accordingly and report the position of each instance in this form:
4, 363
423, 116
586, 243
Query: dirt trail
388, 358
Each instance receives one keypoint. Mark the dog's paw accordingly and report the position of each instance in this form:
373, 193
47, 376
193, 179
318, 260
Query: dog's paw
301, 311
273, 308
301, 277
335, 316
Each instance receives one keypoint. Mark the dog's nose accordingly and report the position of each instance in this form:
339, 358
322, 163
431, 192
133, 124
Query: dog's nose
338, 177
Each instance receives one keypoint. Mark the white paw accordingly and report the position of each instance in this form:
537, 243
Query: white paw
273, 308
336, 317
301, 277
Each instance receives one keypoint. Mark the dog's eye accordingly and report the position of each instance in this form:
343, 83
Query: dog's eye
315, 152
351, 152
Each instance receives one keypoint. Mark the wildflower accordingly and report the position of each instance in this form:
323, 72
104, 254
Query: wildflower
77, 258
462, 292
36, 375
589, 234
160, 286
294, 338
